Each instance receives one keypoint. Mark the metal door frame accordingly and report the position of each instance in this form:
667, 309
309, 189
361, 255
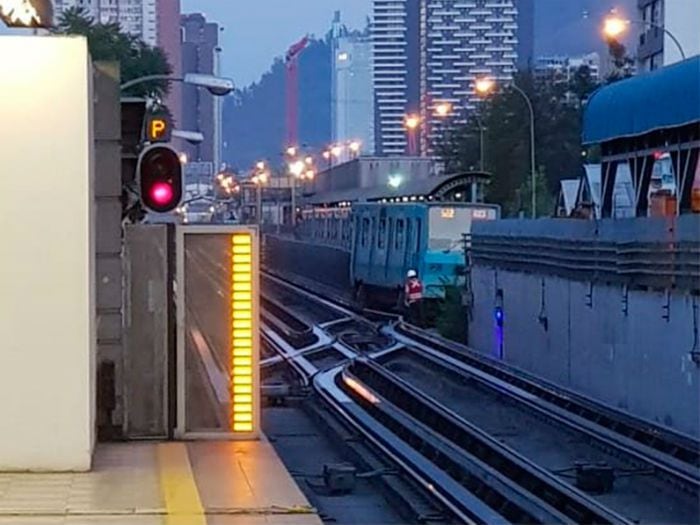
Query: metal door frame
180, 292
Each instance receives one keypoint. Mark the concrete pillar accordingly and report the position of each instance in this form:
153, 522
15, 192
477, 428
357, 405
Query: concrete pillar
47, 279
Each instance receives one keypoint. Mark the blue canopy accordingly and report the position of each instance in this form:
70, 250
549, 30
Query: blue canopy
666, 98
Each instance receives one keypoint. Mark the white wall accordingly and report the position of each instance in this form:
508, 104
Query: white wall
47, 339
681, 17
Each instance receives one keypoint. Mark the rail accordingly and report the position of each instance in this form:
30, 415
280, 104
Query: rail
677, 454
514, 487
298, 333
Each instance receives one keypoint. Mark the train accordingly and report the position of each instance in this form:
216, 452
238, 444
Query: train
385, 240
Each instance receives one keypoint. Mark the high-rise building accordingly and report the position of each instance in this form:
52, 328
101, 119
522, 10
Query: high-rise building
656, 46
200, 109
352, 97
396, 76
169, 40
136, 17
429, 53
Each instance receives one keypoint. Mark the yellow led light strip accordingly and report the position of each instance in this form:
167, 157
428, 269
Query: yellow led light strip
242, 333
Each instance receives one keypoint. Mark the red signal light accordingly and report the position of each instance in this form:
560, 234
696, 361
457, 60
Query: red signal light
160, 179
161, 193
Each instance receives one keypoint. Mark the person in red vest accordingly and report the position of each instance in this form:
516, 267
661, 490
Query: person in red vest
413, 298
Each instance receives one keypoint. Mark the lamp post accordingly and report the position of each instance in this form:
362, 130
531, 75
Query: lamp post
412, 122
217, 86
486, 86
259, 179
296, 169
614, 26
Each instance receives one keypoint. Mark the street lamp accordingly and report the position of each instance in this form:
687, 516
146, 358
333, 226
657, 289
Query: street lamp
614, 26
260, 179
337, 151
355, 147
27, 13
217, 86
443, 109
412, 122
484, 87
296, 168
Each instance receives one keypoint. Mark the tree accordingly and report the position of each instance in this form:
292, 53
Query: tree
107, 42
558, 106
623, 64
460, 147
545, 199
582, 84
452, 321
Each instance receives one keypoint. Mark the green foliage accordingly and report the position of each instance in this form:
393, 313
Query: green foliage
545, 199
460, 147
452, 320
558, 109
623, 64
107, 43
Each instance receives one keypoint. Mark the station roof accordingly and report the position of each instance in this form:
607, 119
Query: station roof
426, 187
665, 98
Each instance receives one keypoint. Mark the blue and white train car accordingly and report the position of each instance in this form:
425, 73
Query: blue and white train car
390, 239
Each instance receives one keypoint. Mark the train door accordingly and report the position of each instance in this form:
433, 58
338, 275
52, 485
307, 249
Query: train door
409, 247
389, 250
361, 249
416, 258
399, 251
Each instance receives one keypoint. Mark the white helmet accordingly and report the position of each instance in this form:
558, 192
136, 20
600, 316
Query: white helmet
411, 274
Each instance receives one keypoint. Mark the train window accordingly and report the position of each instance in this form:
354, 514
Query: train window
390, 233
419, 225
409, 233
373, 231
381, 238
399, 234
365, 231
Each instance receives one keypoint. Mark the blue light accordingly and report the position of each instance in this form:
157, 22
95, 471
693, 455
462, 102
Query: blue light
498, 314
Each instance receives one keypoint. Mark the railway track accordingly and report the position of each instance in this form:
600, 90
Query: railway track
370, 373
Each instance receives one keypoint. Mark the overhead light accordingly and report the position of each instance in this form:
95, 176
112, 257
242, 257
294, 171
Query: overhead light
395, 181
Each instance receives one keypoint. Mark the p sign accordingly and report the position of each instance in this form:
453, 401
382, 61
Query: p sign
158, 128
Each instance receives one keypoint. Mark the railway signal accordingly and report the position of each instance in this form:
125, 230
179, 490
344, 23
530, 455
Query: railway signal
160, 179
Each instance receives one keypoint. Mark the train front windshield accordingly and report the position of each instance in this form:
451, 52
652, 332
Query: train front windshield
447, 224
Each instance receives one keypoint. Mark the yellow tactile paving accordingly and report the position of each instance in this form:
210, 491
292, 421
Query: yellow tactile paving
180, 493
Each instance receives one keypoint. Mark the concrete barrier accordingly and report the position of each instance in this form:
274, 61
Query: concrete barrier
325, 264
629, 348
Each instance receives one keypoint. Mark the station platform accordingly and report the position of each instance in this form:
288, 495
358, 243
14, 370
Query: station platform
174, 483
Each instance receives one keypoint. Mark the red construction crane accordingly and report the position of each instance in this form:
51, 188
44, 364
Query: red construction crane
292, 64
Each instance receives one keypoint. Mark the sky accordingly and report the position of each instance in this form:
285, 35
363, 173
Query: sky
256, 31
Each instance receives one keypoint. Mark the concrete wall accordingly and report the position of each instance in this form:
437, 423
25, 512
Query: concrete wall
108, 215
327, 265
636, 361
47, 291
